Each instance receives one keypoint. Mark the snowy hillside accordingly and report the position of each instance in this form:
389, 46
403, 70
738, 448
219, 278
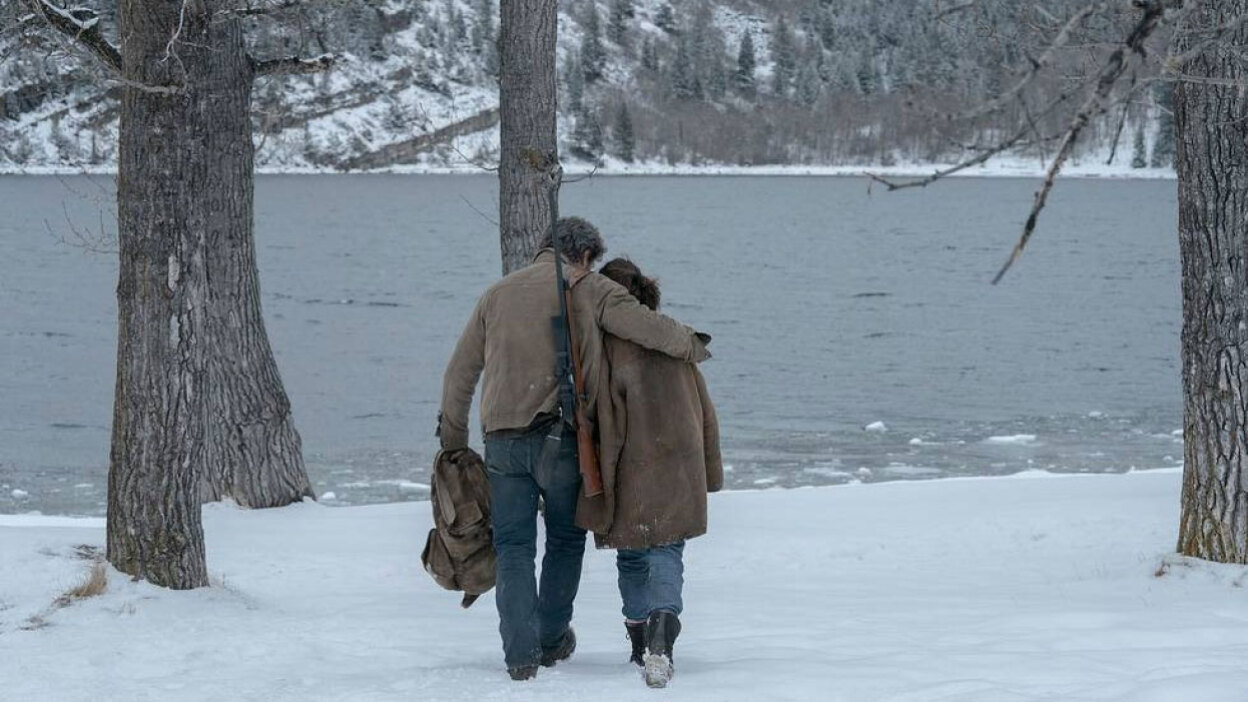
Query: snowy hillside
644, 85
976, 590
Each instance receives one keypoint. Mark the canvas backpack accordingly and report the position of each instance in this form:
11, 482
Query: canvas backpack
459, 552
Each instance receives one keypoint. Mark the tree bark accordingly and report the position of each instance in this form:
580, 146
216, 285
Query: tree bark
154, 528
254, 453
1212, 165
527, 101
200, 409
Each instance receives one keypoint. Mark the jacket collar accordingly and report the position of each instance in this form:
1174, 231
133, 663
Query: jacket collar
572, 271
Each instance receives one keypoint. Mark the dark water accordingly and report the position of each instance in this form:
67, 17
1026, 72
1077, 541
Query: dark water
832, 308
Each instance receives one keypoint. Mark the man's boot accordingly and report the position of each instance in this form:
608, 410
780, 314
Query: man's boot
562, 651
637, 637
522, 672
661, 631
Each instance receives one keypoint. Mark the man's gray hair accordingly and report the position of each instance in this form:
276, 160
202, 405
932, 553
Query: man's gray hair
576, 238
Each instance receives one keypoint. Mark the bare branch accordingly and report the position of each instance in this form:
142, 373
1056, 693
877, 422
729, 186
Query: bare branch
941, 14
83, 238
981, 158
472, 161
1017, 139
1038, 65
474, 209
83, 26
1116, 65
585, 176
172, 89
1205, 80
1175, 62
293, 65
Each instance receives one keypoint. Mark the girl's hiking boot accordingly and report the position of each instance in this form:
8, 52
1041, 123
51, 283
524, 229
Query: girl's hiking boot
661, 631
637, 637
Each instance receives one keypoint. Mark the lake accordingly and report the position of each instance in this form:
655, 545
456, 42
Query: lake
856, 335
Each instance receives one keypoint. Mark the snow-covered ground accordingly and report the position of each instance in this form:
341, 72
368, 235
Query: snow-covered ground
992, 590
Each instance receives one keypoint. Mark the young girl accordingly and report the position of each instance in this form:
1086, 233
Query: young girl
659, 441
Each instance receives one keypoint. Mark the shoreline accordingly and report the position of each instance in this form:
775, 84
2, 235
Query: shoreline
36, 518
1010, 169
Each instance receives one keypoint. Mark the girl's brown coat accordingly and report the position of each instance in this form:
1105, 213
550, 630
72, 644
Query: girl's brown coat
659, 444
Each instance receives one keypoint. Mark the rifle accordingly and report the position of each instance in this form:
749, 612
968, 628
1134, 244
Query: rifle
571, 375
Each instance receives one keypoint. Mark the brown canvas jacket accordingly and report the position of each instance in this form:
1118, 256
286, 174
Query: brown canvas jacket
508, 345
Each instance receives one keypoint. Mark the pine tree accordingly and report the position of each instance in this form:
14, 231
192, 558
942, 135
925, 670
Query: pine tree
714, 75
1139, 155
96, 158
650, 56
396, 119
491, 62
826, 26
617, 24
783, 58
666, 19
809, 85
685, 84
743, 78
625, 145
587, 136
593, 55
868, 81
22, 150
595, 137
574, 76
66, 148
459, 27
483, 26
1163, 146
707, 44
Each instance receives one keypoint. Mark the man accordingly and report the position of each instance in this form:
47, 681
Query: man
509, 342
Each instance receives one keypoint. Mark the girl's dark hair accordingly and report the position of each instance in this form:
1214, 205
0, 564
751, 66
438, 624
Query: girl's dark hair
626, 273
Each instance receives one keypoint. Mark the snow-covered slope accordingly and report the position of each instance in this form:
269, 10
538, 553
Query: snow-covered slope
415, 87
975, 590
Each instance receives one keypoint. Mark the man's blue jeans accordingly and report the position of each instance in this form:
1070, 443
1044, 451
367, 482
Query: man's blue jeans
651, 579
532, 618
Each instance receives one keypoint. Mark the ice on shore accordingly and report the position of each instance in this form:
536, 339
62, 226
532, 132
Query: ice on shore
1012, 440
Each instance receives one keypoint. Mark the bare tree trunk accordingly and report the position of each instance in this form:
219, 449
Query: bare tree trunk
154, 529
527, 101
254, 454
1212, 164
